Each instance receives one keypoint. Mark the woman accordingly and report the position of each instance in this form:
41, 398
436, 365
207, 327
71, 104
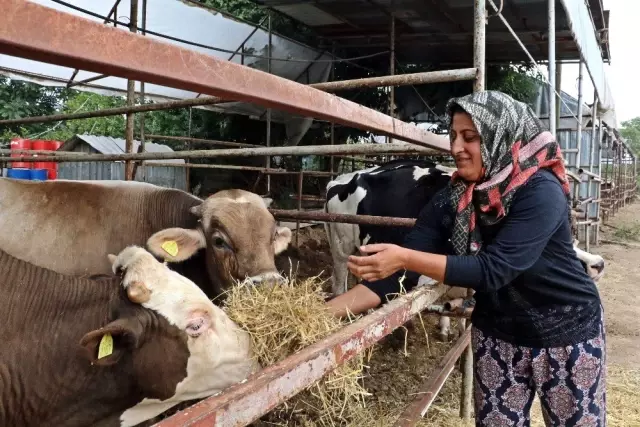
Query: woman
502, 228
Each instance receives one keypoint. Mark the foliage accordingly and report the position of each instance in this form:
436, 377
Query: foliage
631, 132
23, 99
520, 81
247, 10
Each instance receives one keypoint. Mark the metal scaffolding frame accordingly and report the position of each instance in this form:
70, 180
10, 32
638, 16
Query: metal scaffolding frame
135, 59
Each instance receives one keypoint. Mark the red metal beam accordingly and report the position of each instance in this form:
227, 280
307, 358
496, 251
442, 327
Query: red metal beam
244, 403
430, 389
39, 33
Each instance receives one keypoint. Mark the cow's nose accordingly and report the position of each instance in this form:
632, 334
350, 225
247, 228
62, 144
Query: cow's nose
599, 266
269, 279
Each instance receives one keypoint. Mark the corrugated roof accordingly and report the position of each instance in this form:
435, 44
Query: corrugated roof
439, 30
109, 145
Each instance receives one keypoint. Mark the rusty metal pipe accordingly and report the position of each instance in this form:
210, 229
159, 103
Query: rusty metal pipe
400, 80
202, 141
430, 389
239, 152
370, 82
243, 403
343, 218
39, 33
183, 103
240, 168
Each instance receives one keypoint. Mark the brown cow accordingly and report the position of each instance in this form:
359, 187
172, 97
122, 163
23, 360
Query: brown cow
169, 343
71, 226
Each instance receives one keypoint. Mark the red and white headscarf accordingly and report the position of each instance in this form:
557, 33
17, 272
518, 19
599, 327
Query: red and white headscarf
514, 146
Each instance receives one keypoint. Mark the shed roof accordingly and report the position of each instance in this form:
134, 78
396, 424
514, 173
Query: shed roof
109, 145
442, 29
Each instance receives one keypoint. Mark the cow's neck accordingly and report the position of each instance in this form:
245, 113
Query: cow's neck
168, 208
44, 377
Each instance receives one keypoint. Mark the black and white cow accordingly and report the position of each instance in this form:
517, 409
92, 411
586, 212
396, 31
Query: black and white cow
400, 188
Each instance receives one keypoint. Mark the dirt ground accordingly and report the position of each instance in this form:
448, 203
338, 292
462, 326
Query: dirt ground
617, 287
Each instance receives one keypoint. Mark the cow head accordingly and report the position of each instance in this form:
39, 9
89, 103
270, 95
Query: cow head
167, 338
238, 234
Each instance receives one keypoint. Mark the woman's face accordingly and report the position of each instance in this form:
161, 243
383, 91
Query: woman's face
465, 147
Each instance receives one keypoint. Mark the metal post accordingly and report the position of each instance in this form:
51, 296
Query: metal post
594, 119
392, 69
333, 125
559, 92
268, 143
479, 50
597, 193
300, 181
479, 46
552, 65
580, 112
187, 170
142, 116
131, 97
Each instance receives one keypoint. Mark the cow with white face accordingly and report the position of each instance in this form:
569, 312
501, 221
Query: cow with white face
400, 188
71, 226
113, 351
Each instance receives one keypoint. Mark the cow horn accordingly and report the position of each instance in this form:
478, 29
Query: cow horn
138, 292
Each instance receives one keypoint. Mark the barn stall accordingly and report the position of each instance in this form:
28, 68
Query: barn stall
245, 403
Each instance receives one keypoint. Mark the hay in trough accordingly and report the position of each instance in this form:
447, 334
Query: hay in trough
284, 319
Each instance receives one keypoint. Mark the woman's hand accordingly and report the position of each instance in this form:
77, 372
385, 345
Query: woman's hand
387, 260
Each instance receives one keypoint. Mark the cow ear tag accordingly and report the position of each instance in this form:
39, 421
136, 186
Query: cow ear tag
170, 247
106, 346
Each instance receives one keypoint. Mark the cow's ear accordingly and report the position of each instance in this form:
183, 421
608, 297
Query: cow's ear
282, 239
176, 244
107, 345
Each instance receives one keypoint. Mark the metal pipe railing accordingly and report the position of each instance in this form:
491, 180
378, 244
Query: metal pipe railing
237, 152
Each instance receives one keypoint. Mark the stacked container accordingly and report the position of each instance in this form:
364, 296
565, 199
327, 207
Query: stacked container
34, 171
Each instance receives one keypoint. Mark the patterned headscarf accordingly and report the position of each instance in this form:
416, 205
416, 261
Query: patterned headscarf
514, 146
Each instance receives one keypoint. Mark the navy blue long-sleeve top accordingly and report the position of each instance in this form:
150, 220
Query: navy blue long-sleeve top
530, 287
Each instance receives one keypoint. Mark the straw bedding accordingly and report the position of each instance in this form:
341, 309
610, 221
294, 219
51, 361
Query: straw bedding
285, 319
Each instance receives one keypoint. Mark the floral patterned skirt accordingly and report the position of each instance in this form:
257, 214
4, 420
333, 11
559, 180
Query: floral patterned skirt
570, 382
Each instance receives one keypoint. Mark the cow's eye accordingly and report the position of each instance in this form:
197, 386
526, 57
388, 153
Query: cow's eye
219, 242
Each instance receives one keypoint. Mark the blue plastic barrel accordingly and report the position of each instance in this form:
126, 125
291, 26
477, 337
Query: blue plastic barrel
19, 173
39, 174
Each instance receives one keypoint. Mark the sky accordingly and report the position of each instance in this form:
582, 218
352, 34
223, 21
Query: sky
624, 70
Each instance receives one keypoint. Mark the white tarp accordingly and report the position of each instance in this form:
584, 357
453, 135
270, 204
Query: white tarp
584, 32
187, 21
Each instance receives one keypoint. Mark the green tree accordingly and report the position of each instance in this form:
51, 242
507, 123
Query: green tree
631, 132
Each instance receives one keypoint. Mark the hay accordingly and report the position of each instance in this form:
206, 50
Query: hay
283, 320
623, 396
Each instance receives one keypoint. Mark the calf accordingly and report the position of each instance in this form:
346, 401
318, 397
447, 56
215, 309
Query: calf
114, 351
400, 188
71, 226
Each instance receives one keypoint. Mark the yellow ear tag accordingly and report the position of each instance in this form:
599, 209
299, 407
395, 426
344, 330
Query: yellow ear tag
106, 346
170, 247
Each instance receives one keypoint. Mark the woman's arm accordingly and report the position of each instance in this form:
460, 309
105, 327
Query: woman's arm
355, 301
427, 234
537, 212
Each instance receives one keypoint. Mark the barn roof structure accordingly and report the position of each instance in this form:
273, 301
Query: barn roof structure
442, 29
110, 145
442, 32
